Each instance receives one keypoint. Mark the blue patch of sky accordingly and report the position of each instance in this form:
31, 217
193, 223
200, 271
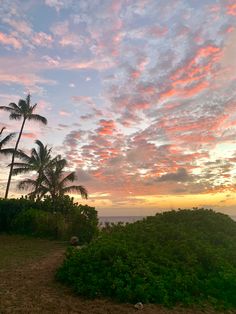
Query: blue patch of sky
87, 82
41, 17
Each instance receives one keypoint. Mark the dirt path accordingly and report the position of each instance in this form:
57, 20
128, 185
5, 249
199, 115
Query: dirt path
32, 289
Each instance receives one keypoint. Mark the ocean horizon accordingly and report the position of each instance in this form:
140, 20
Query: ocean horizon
129, 219
117, 219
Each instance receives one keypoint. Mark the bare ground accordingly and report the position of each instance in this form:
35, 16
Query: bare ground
31, 288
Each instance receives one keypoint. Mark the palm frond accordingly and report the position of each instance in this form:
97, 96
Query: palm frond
22, 170
76, 188
8, 109
7, 151
34, 107
22, 155
3, 128
68, 178
7, 139
28, 98
25, 184
20, 164
15, 107
37, 117
15, 116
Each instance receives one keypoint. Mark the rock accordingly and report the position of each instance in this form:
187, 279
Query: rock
139, 306
74, 241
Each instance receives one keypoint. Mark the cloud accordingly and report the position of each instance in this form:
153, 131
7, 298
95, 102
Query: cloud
64, 113
58, 4
29, 135
107, 127
42, 39
231, 9
9, 40
181, 175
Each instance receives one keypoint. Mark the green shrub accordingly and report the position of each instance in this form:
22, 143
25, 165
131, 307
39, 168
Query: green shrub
9, 209
186, 256
39, 223
60, 218
83, 223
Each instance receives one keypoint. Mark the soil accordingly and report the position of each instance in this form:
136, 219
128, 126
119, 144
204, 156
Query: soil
31, 288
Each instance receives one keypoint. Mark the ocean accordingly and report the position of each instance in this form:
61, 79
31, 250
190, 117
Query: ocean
130, 219
116, 219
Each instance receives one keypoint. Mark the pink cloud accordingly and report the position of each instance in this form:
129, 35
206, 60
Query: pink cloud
42, 39
231, 8
29, 135
64, 113
10, 41
107, 127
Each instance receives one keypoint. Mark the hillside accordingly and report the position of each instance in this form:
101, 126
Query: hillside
185, 256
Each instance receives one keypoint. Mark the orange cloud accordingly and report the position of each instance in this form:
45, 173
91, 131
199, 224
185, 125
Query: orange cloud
231, 9
195, 90
107, 127
29, 135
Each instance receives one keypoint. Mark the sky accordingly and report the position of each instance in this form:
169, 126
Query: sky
140, 97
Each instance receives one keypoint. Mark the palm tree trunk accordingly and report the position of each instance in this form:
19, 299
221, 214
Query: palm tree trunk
13, 158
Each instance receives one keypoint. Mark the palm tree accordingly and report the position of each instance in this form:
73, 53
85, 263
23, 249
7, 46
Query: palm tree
54, 181
23, 111
39, 159
4, 141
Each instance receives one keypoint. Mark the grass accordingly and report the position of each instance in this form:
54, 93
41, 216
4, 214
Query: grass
16, 250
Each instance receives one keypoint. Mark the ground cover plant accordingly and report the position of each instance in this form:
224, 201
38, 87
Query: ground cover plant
185, 256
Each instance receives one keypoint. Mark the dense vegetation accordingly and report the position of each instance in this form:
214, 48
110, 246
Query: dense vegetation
58, 218
47, 212
185, 256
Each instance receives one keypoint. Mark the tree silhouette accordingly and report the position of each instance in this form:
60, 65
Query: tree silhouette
54, 181
39, 159
4, 141
23, 111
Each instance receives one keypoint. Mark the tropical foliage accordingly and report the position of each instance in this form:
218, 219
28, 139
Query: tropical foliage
186, 256
4, 141
51, 177
49, 219
22, 111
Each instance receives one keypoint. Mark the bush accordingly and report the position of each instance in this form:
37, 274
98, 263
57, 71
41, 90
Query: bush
83, 223
35, 222
9, 209
57, 219
186, 256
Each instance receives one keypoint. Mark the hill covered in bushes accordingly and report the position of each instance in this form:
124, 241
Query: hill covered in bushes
185, 256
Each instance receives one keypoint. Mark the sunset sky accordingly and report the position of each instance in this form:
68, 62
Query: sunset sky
140, 97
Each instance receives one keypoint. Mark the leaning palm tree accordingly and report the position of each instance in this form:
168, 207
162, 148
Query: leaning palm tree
54, 181
39, 159
4, 141
23, 111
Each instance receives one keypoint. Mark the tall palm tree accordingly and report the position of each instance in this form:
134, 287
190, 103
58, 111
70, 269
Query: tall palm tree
39, 159
55, 181
4, 141
23, 111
